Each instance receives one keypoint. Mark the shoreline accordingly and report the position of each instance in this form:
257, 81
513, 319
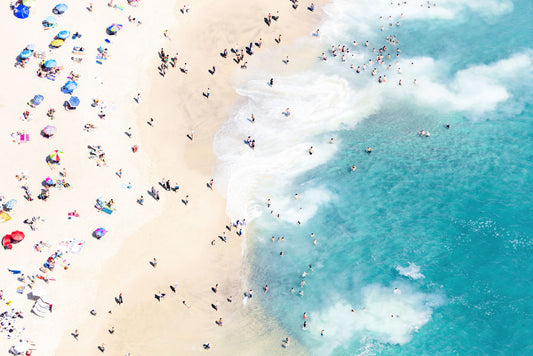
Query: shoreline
104, 280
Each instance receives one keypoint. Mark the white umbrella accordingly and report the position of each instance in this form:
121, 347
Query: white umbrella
22, 347
39, 292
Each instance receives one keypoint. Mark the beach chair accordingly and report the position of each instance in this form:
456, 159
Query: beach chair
39, 54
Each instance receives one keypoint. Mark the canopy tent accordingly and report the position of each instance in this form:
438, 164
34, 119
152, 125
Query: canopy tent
21, 11
42, 307
63, 35
69, 87
60, 8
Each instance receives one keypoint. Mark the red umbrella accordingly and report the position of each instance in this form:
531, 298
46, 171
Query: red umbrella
17, 236
6, 242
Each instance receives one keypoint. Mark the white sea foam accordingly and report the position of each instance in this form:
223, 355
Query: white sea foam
411, 271
346, 17
319, 104
388, 317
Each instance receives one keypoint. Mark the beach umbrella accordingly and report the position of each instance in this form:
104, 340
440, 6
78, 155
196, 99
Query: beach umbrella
21, 11
37, 99
51, 63
100, 232
38, 292
114, 28
74, 101
28, 3
69, 87
49, 130
30, 47
60, 8
17, 236
10, 204
57, 43
21, 347
51, 20
25, 54
54, 156
63, 35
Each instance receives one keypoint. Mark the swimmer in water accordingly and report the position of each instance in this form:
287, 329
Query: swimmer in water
369, 150
354, 168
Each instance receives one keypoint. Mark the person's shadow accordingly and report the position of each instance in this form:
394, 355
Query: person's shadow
267, 21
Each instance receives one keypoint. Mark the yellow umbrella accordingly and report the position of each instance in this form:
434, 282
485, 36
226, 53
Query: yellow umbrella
57, 43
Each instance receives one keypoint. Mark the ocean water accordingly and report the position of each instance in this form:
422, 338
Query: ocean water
429, 241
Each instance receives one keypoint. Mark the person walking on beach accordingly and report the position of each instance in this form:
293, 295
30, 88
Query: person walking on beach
141, 200
138, 98
154, 262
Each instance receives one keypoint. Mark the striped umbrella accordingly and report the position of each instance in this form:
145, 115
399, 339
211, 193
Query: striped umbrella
114, 28
54, 156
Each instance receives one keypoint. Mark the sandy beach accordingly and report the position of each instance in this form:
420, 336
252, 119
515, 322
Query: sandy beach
183, 230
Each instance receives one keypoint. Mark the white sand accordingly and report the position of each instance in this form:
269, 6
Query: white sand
178, 236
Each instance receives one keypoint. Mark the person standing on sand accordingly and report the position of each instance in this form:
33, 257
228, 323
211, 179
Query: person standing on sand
154, 262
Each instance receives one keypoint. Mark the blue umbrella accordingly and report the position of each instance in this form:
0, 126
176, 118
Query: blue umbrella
51, 20
21, 11
60, 8
51, 63
25, 54
37, 99
74, 101
69, 87
63, 35
10, 204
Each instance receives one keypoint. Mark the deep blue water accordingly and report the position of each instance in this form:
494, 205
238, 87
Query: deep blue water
457, 206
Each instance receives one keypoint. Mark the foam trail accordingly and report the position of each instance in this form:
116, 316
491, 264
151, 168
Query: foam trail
411, 271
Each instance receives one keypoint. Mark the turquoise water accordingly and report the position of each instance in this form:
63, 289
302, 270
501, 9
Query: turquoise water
446, 219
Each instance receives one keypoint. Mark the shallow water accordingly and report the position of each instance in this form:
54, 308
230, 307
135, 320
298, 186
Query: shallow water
446, 219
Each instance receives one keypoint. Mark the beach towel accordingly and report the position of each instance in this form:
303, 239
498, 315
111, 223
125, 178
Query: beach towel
51, 76
107, 210
76, 246
24, 138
